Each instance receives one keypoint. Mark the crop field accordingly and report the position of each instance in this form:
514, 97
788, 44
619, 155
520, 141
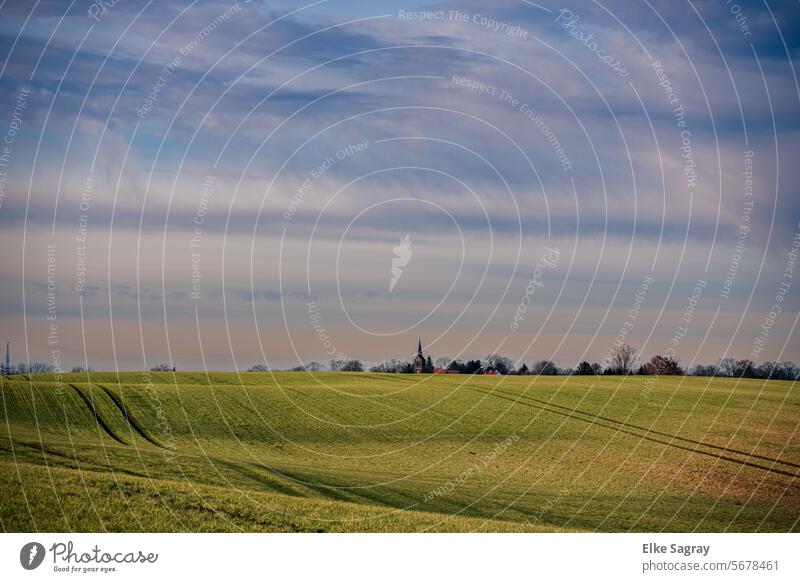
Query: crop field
392, 452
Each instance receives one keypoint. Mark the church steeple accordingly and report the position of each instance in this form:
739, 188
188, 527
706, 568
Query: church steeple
418, 363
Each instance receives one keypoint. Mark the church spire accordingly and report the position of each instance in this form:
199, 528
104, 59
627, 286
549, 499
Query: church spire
419, 346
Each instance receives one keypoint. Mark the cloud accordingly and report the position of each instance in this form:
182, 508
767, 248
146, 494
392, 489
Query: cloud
542, 141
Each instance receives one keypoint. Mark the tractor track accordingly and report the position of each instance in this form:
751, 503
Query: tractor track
643, 433
99, 419
134, 423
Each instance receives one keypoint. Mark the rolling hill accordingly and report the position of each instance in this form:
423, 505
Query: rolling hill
146, 451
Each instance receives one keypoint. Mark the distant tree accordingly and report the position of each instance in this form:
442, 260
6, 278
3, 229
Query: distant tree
428, 367
732, 368
442, 363
726, 367
766, 371
544, 368
623, 360
258, 368
662, 366
391, 366
502, 364
704, 370
34, 368
310, 367
523, 370
352, 366
790, 370
406, 368
585, 369
456, 365
778, 371
472, 367
744, 369
81, 370
161, 368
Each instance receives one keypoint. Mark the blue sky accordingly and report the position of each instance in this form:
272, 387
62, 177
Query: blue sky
640, 140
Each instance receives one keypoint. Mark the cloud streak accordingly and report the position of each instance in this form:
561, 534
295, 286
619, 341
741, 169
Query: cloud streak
483, 146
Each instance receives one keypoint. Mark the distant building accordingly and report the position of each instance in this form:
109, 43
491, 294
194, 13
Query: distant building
418, 363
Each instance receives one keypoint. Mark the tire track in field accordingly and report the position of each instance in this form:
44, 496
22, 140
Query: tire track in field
656, 432
135, 424
99, 419
618, 427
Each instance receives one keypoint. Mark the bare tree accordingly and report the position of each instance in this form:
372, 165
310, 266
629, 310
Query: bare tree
704, 370
744, 369
309, 367
390, 366
34, 368
623, 359
443, 362
500, 363
353, 366
81, 370
736, 368
726, 367
346, 366
782, 370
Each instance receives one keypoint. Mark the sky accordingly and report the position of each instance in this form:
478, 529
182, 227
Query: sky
221, 184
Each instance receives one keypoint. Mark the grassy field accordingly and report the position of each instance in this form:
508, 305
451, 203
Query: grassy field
375, 452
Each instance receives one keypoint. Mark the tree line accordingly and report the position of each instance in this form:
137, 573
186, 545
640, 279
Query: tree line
622, 360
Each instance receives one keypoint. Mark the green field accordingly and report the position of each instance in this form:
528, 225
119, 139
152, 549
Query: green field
386, 452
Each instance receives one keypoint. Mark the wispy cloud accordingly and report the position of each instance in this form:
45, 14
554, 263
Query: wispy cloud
480, 144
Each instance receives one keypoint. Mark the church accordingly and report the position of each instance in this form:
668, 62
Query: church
418, 363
